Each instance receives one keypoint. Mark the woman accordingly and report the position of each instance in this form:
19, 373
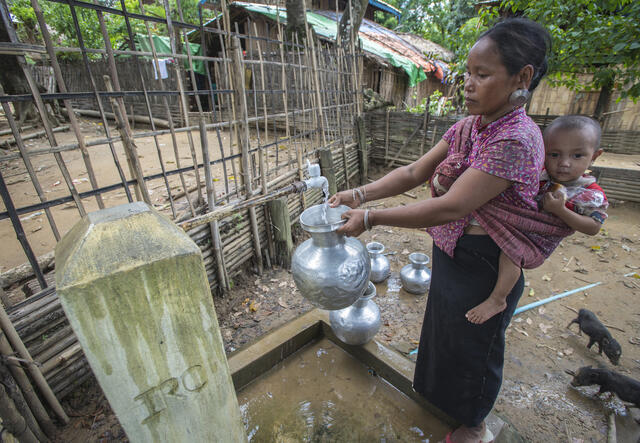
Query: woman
492, 160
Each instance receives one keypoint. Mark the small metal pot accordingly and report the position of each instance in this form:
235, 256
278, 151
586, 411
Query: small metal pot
415, 276
380, 267
359, 323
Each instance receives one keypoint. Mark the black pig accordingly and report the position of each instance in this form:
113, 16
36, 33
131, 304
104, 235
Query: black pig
598, 333
626, 388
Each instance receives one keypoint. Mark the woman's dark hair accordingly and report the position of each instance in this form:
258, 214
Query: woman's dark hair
521, 42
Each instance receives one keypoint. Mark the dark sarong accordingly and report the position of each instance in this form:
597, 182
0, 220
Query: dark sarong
459, 365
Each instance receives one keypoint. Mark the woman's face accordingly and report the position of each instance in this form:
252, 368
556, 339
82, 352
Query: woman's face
487, 84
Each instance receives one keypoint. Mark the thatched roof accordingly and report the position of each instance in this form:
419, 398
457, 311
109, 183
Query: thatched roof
429, 48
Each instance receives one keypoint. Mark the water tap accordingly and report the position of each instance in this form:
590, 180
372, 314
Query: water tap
315, 180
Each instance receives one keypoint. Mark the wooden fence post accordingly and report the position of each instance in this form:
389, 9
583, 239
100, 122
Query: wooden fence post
243, 139
326, 164
363, 151
282, 233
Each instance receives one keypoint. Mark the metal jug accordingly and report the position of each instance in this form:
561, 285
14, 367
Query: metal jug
329, 269
359, 323
415, 276
380, 267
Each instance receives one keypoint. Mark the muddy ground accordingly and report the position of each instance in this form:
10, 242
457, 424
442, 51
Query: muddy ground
536, 397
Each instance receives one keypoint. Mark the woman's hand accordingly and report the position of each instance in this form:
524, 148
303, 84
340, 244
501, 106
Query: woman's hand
553, 202
355, 223
344, 198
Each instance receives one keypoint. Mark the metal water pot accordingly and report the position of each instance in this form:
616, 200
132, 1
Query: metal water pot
359, 323
380, 267
329, 269
415, 276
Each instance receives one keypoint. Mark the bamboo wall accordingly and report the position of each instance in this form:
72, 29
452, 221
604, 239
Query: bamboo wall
399, 138
275, 106
393, 85
621, 115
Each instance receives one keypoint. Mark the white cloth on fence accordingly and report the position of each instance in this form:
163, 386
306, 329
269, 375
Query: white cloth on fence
163, 68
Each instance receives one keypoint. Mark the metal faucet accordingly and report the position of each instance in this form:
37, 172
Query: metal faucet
315, 180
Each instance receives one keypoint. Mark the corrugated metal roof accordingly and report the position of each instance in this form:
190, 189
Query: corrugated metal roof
377, 33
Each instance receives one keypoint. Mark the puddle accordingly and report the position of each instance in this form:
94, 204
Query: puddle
323, 394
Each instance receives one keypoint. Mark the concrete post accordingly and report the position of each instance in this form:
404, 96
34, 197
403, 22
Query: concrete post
134, 288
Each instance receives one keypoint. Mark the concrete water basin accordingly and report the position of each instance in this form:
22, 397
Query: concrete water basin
301, 383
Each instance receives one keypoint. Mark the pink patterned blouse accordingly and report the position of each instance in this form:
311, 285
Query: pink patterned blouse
511, 148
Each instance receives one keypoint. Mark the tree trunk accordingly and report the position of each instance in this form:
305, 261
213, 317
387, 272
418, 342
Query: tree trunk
295, 19
12, 79
603, 101
358, 8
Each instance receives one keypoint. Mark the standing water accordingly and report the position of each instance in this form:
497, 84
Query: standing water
323, 394
325, 202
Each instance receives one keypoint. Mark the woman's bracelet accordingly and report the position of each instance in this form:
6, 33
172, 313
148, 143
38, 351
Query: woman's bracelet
367, 226
358, 192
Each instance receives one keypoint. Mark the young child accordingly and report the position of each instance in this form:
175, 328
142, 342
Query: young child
571, 145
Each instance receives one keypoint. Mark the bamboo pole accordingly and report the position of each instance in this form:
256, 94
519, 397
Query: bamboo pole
20, 234
94, 88
231, 98
116, 82
12, 141
213, 105
27, 162
129, 145
33, 370
285, 99
172, 130
404, 145
426, 126
229, 209
211, 201
239, 75
67, 103
13, 421
263, 166
41, 421
183, 98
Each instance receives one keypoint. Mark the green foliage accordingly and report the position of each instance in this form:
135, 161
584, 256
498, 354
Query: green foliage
590, 37
387, 20
61, 26
438, 105
438, 21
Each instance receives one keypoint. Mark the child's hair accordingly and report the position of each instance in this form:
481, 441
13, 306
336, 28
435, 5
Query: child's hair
521, 42
569, 122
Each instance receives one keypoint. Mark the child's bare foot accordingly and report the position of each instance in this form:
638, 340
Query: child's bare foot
485, 310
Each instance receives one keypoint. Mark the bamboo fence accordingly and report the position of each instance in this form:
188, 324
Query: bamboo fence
275, 105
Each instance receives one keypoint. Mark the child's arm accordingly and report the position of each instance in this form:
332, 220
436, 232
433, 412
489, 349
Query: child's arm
553, 202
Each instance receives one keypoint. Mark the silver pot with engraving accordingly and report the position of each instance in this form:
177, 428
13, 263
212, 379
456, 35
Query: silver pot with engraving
415, 276
329, 269
358, 323
380, 267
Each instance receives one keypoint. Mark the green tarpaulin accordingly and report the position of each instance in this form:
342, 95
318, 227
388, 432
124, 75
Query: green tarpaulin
328, 28
163, 49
